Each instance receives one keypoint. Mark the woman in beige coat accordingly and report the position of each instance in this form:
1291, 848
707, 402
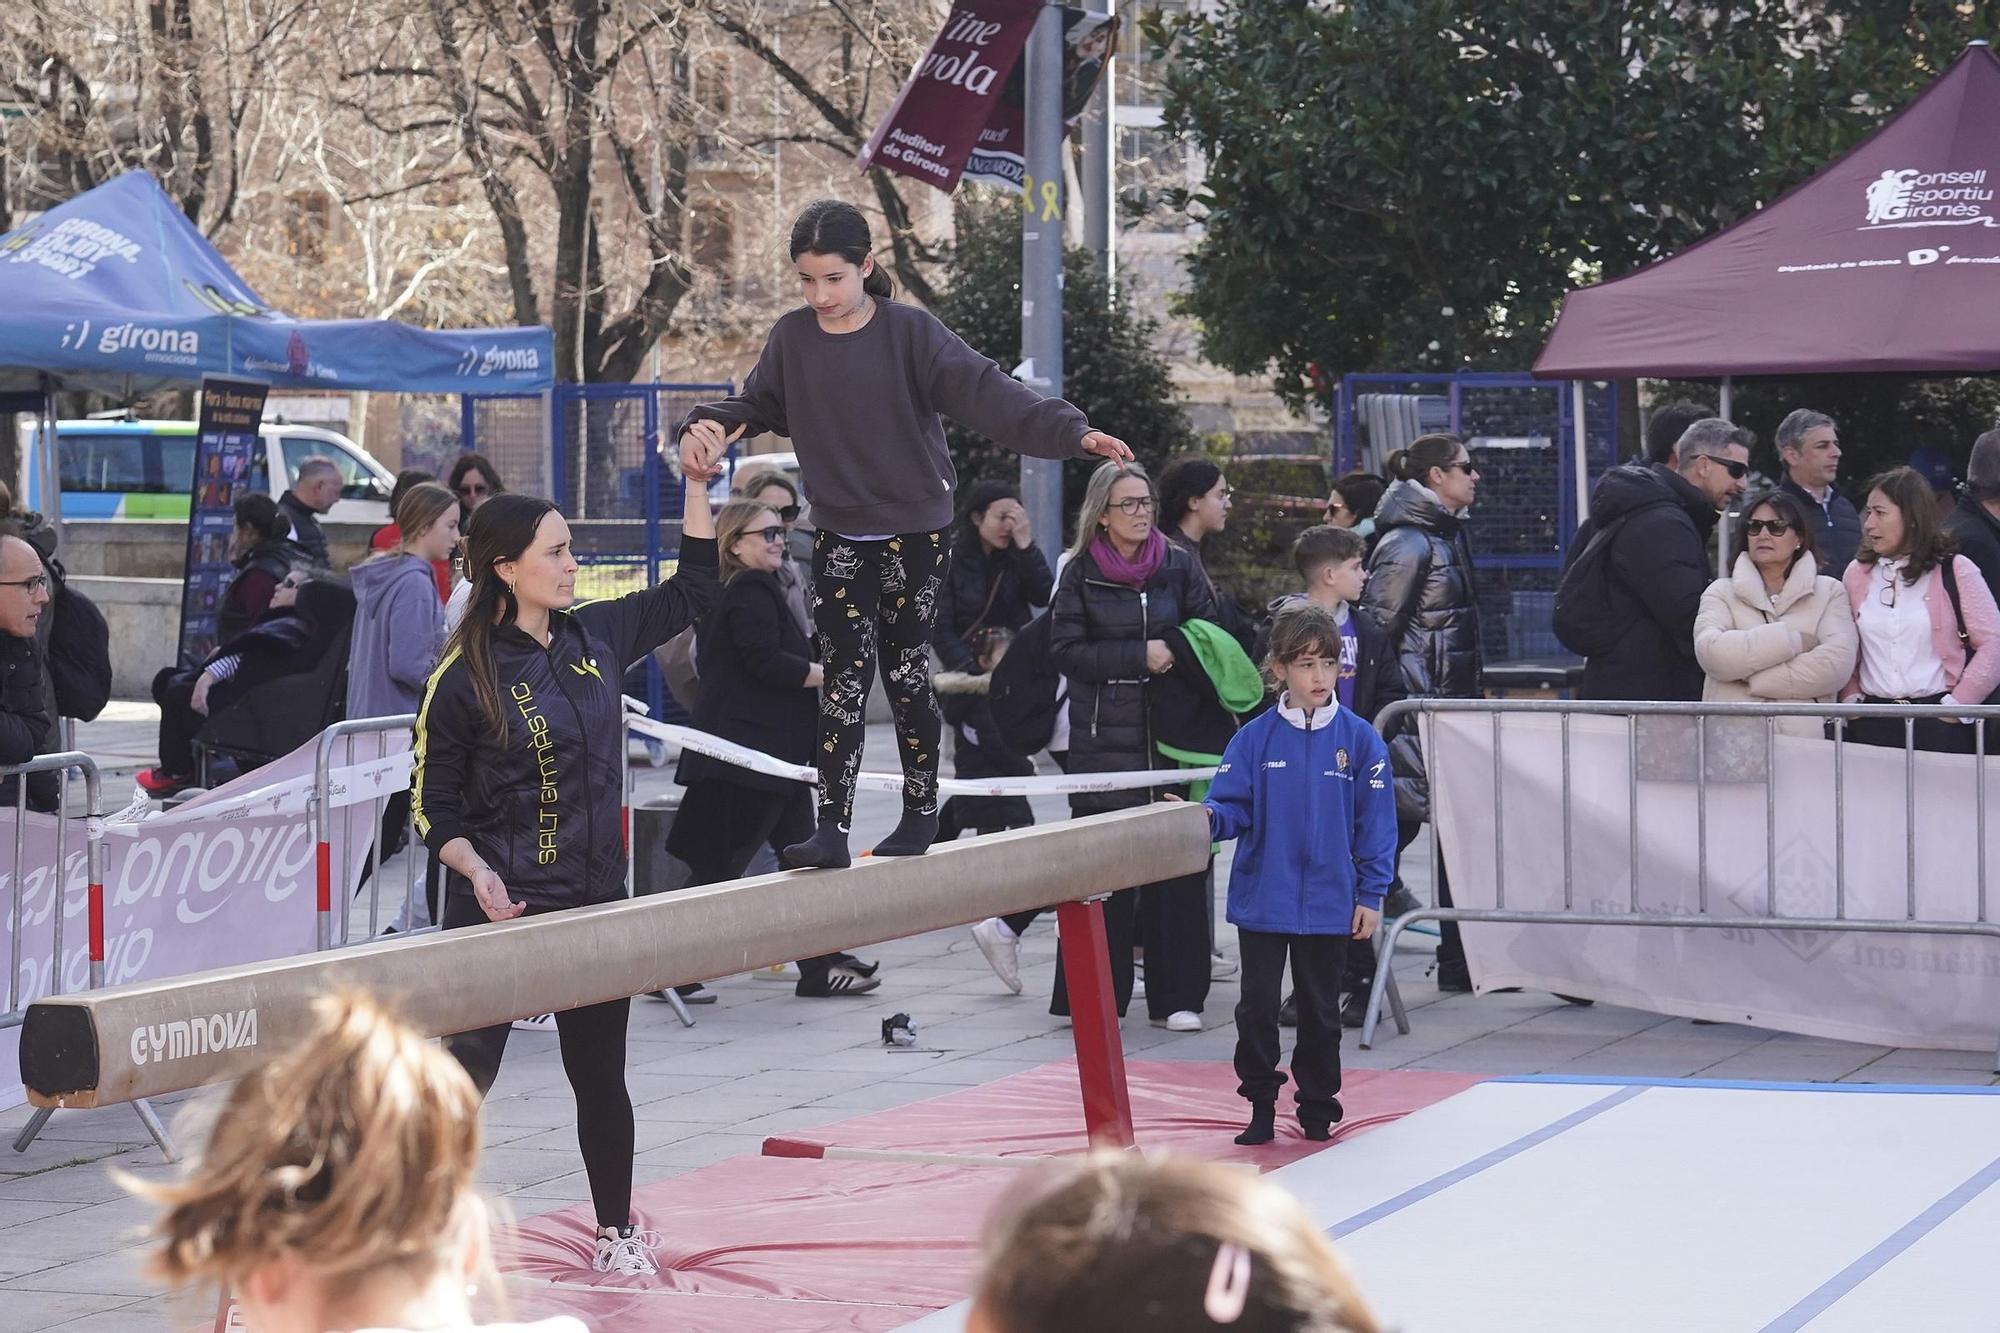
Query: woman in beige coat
1776, 630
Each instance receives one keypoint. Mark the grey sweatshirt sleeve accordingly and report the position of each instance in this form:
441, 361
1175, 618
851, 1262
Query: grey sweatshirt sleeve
414, 631
973, 391
758, 408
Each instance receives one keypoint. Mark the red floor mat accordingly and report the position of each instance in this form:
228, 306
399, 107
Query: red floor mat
1182, 1105
776, 1244
770, 1244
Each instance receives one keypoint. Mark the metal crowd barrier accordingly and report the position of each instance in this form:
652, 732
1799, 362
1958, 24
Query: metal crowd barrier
1704, 917
62, 764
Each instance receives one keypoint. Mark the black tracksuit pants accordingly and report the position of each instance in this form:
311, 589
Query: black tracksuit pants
593, 1055
1169, 920
875, 600
722, 824
1317, 964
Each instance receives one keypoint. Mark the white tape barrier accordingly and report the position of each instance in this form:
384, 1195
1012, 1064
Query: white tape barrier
353, 784
1055, 784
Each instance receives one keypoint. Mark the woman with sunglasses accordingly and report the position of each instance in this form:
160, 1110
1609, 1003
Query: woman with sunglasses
474, 481
1776, 629
760, 688
1930, 633
1420, 592
1122, 588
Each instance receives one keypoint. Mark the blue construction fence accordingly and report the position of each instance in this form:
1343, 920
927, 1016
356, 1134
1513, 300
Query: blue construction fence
1520, 433
605, 454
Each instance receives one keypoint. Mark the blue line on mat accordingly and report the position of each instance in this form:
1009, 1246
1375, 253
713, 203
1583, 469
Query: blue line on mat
1466, 1170
1912, 1231
1612, 1080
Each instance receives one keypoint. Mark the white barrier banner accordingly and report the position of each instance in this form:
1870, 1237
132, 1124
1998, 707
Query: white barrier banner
1938, 992
227, 878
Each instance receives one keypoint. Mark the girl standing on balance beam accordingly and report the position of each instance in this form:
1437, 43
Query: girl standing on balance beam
858, 381
516, 787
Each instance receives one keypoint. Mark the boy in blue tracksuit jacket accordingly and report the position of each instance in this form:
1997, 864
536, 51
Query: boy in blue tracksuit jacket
1305, 790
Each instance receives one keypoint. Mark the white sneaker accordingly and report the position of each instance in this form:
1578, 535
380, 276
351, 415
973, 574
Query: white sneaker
1002, 948
1185, 1020
1220, 965
629, 1252
785, 972
539, 1023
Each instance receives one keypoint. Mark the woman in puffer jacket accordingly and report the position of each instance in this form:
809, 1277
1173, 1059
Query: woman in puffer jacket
1776, 630
1125, 585
1420, 591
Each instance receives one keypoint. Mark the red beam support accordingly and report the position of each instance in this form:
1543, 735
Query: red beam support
1100, 1049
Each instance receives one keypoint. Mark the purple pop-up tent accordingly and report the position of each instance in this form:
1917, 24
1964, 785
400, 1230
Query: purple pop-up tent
1887, 259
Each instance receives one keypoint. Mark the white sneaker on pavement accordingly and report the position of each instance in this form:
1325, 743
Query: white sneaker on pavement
539, 1023
629, 1252
1185, 1020
1002, 948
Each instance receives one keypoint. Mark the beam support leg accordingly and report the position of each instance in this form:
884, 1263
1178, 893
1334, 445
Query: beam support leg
1100, 1050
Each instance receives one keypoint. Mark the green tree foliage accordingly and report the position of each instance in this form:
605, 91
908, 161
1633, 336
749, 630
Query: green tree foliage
1415, 184
1110, 369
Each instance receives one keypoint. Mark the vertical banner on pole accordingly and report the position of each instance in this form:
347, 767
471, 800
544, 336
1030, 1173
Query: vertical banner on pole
936, 120
1001, 157
226, 444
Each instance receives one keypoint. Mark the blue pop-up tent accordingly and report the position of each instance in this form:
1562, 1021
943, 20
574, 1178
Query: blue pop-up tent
116, 290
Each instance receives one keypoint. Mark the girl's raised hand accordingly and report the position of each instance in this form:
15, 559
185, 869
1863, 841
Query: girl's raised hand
702, 445
1106, 446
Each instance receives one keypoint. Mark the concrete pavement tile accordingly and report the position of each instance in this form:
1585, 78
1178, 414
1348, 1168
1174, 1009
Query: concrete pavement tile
717, 1106
799, 1084
113, 1274
967, 1073
1818, 1067
645, 1134
505, 1169
13, 1212
547, 1195
701, 1150
874, 1097
33, 1311
82, 1232
1885, 1072
179, 1311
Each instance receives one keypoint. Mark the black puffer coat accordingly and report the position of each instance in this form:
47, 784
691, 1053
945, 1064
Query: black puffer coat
984, 589
1420, 591
1097, 634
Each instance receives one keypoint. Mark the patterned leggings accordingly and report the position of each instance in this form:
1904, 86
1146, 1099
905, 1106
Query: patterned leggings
875, 599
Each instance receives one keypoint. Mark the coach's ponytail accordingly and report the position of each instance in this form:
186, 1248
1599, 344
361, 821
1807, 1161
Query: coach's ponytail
836, 227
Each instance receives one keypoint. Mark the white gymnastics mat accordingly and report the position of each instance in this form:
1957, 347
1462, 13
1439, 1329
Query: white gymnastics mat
1556, 1205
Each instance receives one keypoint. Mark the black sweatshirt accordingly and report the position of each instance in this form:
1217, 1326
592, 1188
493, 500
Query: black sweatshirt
542, 809
862, 411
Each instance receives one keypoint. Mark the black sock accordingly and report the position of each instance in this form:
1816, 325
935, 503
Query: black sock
826, 849
1263, 1126
913, 836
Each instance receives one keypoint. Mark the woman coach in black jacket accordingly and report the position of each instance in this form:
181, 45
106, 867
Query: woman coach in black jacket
1420, 591
517, 785
1124, 586
760, 688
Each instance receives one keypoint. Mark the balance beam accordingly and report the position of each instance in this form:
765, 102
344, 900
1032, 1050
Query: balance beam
102, 1047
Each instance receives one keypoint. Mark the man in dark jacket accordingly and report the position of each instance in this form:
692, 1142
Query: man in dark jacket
316, 490
1639, 564
24, 710
1809, 447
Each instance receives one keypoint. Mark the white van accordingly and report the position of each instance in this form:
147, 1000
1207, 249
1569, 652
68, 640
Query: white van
113, 469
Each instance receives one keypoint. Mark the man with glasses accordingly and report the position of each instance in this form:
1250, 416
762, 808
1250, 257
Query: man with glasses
1638, 566
24, 708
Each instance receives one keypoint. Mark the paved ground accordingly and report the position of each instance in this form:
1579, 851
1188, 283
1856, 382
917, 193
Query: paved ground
762, 1060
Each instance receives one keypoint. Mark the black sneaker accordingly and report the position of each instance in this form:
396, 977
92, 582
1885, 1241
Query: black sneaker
1454, 978
1400, 900
1288, 1012
836, 981
1354, 1009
